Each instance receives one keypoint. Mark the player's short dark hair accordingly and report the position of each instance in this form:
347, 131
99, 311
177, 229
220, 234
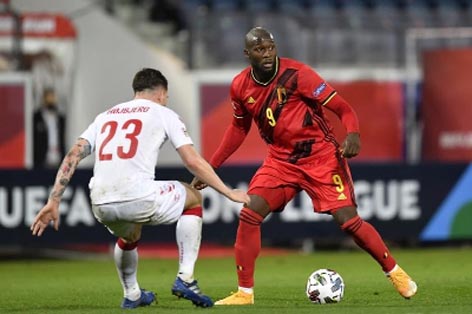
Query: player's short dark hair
148, 78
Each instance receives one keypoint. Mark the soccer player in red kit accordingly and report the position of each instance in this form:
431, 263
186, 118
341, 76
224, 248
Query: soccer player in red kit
287, 101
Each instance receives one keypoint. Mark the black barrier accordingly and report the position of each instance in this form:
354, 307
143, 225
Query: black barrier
422, 203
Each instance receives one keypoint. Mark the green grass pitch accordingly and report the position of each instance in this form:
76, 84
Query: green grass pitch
444, 278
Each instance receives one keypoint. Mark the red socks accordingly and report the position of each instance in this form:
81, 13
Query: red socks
365, 235
196, 211
126, 246
247, 246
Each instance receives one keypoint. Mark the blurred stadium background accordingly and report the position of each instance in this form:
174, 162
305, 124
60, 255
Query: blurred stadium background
404, 65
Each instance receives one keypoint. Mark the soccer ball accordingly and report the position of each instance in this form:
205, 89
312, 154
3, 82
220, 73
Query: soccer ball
325, 286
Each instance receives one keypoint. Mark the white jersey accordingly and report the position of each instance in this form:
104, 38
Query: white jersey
126, 140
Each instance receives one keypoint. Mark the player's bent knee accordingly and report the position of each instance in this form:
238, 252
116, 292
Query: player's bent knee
352, 225
344, 214
193, 198
133, 235
259, 205
250, 216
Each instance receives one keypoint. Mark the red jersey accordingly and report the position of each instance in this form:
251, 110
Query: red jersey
288, 110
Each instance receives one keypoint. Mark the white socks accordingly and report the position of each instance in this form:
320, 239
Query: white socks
393, 269
127, 266
246, 290
188, 234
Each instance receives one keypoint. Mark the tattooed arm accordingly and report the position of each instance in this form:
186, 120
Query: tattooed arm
50, 211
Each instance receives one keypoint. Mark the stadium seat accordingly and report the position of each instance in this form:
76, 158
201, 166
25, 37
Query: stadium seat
353, 6
333, 32
257, 5
193, 4
330, 46
376, 46
448, 14
224, 5
419, 13
287, 33
386, 14
191, 8
466, 11
224, 35
354, 12
290, 6
324, 13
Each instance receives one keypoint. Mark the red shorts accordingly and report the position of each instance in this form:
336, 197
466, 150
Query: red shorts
327, 180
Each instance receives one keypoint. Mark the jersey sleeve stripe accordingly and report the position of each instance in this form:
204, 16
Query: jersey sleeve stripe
238, 117
333, 93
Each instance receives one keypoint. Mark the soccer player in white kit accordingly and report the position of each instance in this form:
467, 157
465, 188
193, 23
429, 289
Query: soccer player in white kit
126, 140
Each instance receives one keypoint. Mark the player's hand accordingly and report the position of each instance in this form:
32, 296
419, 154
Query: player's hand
239, 196
351, 145
198, 184
49, 213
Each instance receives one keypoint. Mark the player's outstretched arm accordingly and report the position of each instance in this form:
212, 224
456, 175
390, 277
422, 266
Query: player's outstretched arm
200, 168
352, 144
50, 211
232, 139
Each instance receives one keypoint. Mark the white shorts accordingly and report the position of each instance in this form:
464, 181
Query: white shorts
165, 206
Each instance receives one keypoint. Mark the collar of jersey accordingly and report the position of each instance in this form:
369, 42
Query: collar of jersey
273, 76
